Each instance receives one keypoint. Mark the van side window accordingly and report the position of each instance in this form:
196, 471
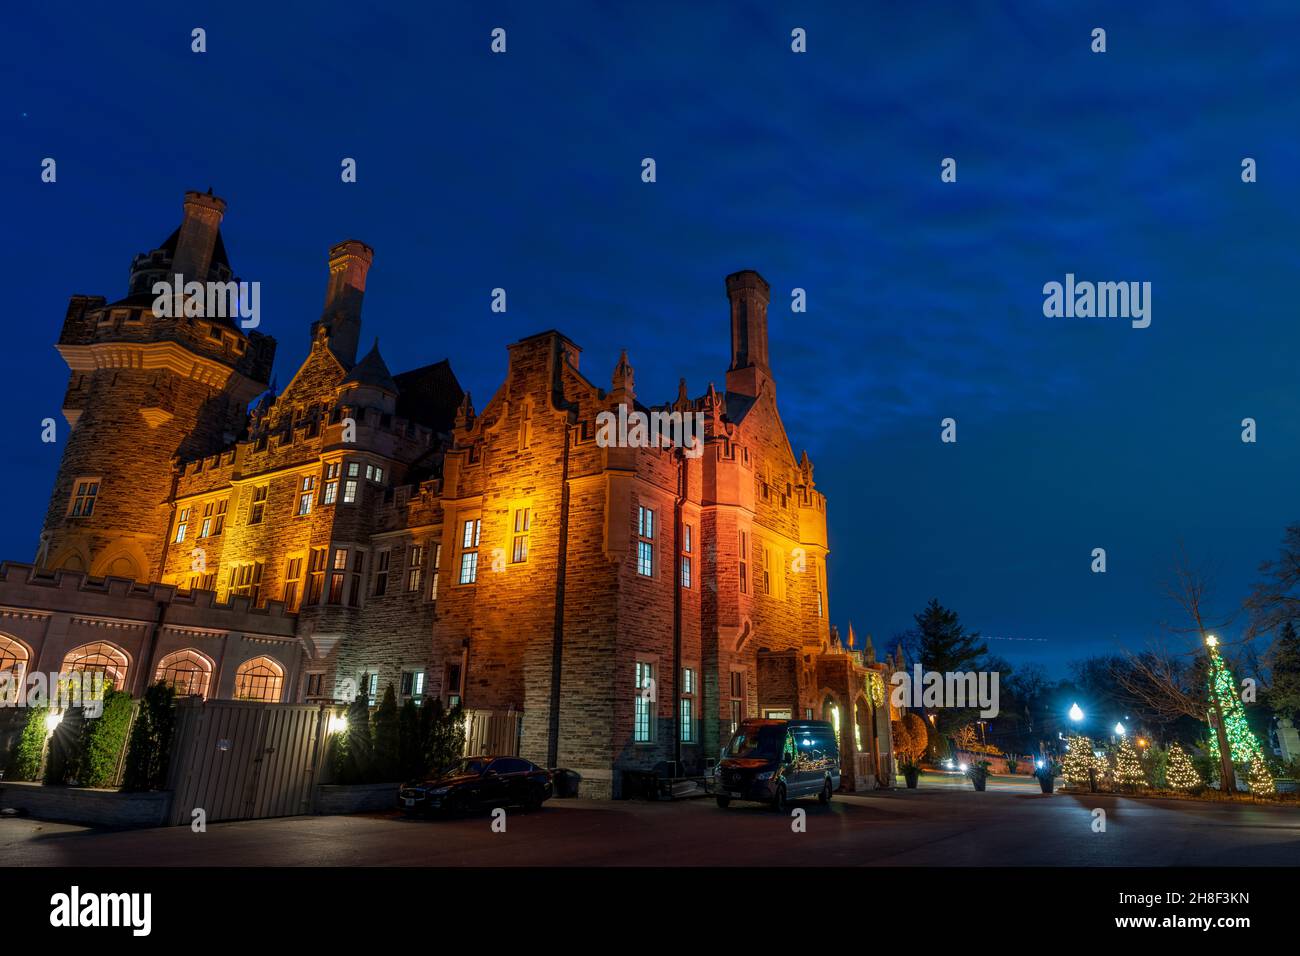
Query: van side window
790, 752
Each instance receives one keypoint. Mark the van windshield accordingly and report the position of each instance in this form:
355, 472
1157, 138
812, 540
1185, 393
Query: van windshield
760, 743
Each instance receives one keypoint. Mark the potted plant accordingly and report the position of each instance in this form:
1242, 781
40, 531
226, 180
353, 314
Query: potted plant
978, 772
1047, 772
911, 772
1012, 764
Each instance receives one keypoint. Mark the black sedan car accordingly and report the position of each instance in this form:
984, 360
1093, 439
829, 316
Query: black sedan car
475, 783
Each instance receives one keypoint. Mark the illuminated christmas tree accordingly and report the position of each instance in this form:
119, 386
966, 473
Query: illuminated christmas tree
1261, 781
1181, 773
1242, 745
1128, 768
1079, 767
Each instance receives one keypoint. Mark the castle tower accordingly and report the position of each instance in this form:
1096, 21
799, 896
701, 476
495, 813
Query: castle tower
748, 292
147, 386
341, 318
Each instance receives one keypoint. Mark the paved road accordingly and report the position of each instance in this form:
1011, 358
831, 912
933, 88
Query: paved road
929, 826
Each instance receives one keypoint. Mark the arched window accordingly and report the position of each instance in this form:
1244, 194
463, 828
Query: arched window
259, 679
105, 658
187, 671
13, 662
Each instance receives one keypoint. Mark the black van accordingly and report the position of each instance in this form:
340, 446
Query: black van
774, 761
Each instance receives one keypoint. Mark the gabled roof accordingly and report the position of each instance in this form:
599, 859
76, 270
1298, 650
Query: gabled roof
372, 371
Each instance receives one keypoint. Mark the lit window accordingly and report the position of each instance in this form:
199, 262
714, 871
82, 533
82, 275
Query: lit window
645, 549
437, 565
415, 567
338, 567
259, 505
523, 523
687, 548
13, 661
182, 525
214, 519
187, 672
83, 498
687, 706
306, 495
469, 550
413, 684
260, 679
98, 658
643, 722
370, 687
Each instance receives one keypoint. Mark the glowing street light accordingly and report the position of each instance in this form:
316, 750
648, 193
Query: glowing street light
1119, 729
1076, 713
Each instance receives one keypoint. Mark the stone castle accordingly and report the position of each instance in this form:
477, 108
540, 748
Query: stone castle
602, 608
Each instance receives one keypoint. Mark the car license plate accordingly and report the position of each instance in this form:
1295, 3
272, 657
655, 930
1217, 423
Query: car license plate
410, 801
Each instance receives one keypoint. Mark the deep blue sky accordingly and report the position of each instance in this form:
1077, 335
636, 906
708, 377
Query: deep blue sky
819, 170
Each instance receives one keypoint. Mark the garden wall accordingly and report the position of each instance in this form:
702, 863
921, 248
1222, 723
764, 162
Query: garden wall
108, 808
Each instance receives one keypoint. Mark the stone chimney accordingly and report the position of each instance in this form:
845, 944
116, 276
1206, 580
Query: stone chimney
198, 236
341, 317
748, 292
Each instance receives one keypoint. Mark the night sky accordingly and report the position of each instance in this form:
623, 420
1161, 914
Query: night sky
819, 170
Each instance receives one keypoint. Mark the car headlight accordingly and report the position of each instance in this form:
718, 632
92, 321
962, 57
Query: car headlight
766, 775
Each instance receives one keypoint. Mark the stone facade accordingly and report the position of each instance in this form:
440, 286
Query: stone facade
622, 602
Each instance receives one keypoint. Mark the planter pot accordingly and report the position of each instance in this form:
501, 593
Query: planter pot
979, 782
912, 778
1046, 783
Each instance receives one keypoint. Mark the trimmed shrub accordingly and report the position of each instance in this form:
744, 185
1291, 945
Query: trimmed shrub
102, 741
408, 741
25, 761
354, 751
387, 739
149, 751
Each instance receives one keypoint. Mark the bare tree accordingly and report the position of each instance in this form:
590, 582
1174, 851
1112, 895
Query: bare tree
1276, 599
1161, 684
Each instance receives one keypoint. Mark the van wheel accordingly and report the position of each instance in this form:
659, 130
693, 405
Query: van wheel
825, 796
779, 803
724, 802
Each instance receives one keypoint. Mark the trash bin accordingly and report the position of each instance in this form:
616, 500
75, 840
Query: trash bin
565, 782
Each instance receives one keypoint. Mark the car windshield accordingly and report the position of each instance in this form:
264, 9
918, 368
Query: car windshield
463, 768
762, 743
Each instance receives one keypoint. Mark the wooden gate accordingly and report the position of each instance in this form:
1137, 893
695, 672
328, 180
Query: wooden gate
492, 733
240, 760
